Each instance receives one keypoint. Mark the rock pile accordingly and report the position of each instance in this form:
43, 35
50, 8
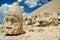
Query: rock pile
13, 21
42, 19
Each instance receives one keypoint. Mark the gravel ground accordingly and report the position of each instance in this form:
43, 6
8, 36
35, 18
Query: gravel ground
38, 33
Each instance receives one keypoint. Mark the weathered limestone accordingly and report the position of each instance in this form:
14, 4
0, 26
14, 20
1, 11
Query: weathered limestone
46, 19
13, 21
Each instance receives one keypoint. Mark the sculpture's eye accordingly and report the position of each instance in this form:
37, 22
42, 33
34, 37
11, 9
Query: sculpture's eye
13, 21
7, 19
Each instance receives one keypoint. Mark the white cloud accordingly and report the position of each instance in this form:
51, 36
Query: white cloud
3, 10
24, 14
31, 3
22, 8
19, 0
40, 4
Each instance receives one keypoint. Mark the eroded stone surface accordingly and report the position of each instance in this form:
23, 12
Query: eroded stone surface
13, 21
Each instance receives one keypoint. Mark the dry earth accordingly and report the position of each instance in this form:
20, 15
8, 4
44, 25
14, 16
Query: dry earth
35, 33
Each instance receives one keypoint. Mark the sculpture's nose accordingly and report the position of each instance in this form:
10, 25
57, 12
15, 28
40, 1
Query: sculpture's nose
8, 25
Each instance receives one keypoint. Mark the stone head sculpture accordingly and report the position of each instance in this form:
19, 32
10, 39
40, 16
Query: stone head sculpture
13, 21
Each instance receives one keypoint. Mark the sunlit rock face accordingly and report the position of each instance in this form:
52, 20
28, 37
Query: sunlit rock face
13, 21
43, 19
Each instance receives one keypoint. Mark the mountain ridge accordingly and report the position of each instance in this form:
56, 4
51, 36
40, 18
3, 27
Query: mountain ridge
51, 7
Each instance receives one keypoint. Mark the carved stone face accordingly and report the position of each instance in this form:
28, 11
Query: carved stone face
13, 21
12, 25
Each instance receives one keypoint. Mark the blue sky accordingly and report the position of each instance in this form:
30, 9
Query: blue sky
27, 6
7, 1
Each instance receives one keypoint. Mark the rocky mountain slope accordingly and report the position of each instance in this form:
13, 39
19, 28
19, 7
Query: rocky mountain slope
51, 7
